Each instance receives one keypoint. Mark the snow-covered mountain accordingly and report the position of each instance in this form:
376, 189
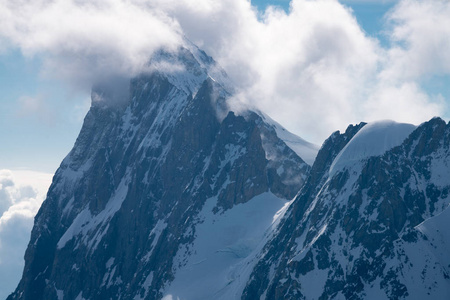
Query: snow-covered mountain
370, 222
164, 188
169, 194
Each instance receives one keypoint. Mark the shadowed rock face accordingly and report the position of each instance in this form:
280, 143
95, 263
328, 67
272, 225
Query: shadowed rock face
355, 235
125, 198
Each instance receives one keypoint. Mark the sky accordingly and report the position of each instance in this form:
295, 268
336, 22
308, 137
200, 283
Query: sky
315, 66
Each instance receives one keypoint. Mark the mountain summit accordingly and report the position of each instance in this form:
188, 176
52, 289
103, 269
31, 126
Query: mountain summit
170, 194
167, 181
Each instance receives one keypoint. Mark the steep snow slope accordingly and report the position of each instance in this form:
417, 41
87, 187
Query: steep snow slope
437, 232
210, 267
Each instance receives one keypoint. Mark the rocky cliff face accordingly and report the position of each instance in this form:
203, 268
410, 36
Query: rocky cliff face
148, 169
357, 230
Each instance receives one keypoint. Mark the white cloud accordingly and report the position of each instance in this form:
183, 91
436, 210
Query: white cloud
313, 69
36, 107
369, 1
86, 40
404, 103
421, 38
307, 69
21, 195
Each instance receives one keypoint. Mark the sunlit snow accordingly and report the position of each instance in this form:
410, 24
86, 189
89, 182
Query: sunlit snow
374, 139
215, 270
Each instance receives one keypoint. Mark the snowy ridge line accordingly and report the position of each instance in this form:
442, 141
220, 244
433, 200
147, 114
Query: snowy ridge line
374, 139
305, 150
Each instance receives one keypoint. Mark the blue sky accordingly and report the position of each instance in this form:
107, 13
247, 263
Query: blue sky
41, 115
369, 13
40, 118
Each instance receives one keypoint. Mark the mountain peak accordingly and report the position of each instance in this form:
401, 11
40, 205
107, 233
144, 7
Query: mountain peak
187, 67
125, 208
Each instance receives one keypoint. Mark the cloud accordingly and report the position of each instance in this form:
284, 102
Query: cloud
403, 103
36, 107
369, 1
306, 68
312, 68
420, 33
315, 70
86, 40
21, 195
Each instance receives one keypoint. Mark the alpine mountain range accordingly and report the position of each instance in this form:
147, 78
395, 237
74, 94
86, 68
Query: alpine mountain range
169, 194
